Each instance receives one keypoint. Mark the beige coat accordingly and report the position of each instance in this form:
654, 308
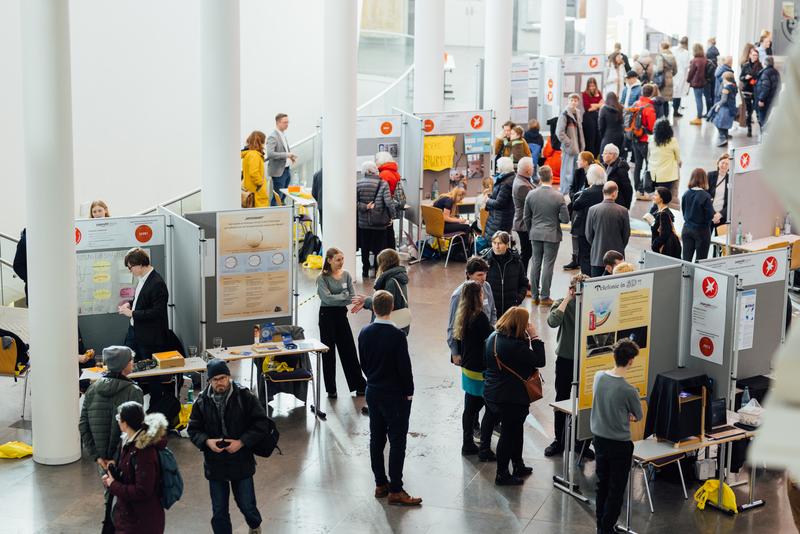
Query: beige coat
666, 62
664, 161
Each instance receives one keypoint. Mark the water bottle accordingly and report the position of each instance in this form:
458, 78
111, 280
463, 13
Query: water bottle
787, 225
739, 233
435, 190
745, 397
190, 394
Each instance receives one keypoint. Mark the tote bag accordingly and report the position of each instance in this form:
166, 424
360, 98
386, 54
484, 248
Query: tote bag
402, 317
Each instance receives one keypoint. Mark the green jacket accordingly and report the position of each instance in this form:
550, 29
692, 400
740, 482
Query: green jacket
100, 432
565, 322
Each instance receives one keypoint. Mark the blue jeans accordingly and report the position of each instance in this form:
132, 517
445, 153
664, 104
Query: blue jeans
388, 417
568, 163
698, 100
280, 182
245, 496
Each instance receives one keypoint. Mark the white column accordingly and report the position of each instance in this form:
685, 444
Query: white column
220, 115
497, 68
53, 299
339, 60
428, 56
596, 26
553, 28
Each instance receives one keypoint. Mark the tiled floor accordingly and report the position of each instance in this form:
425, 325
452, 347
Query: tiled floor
322, 483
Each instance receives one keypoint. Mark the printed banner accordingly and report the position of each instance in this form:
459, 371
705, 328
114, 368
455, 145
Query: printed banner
254, 264
746, 158
753, 269
373, 127
612, 310
456, 122
709, 294
438, 152
122, 232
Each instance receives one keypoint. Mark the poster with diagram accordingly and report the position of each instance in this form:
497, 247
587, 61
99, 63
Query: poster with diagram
254, 264
103, 281
613, 310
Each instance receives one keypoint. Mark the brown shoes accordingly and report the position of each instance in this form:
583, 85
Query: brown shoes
535, 301
381, 491
696, 122
401, 498
546, 302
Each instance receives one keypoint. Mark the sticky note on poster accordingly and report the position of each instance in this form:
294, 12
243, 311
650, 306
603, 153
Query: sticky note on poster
439, 151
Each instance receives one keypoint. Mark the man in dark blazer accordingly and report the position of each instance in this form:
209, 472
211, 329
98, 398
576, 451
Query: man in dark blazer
608, 227
149, 328
584, 200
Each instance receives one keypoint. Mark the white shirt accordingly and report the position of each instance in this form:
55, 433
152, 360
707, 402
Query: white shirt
719, 195
285, 145
139, 287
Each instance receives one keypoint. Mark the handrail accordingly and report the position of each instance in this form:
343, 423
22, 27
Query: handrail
184, 196
391, 86
12, 239
6, 263
381, 33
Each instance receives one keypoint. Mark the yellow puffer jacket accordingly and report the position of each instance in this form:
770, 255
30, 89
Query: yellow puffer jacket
253, 177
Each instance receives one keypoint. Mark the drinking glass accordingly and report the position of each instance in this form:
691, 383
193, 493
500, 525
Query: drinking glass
217, 342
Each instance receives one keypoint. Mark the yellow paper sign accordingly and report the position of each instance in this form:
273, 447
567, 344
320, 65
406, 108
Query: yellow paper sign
439, 152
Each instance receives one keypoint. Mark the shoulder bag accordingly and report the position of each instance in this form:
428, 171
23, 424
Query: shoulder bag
402, 317
533, 385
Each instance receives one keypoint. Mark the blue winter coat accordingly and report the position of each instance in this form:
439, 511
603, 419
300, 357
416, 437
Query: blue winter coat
722, 69
767, 85
727, 107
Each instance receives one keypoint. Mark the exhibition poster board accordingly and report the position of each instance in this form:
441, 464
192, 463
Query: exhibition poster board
520, 74
411, 151
378, 133
254, 264
709, 315
119, 232
576, 71
534, 68
457, 146
612, 310
549, 88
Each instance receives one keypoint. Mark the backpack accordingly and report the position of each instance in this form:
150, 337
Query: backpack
171, 489
632, 119
710, 68
269, 443
312, 245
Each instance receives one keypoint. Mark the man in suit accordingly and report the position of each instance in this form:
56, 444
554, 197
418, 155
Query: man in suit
608, 227
279, 158
149, 328
520, 188
545, 210
595, 178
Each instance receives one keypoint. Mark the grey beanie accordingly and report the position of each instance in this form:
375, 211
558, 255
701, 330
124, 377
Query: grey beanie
116, 357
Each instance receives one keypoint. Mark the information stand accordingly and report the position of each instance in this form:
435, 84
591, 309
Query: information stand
549, 88
249, 271
104, 282
520, 79
576, 71
751, 201
761, 308
379, 133
457, 143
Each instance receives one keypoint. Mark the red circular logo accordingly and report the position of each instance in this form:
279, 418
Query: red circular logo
78, 236
386, 128
550, 83
549, 96
744, 161
476, 122
706, 346
770, 266
143, 233
427, 125
710, 287
593, 62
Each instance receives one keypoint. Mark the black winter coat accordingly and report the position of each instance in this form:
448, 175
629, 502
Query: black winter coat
618, 172
473, 346
713, 179
767, 85
501, 386
507, 279
749, 69
611, 128
500, 205
580, 207
245, 419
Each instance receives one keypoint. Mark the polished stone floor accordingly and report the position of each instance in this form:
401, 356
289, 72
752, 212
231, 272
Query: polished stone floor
323, 483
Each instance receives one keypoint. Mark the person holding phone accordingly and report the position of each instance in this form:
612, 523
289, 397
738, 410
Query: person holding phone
227, 421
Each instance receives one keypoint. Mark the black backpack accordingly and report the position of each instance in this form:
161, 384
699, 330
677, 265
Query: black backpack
312, 244
266, 446
710, 68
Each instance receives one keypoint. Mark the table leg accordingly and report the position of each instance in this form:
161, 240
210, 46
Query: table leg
752, 502
565, 482
315, 409
629, 501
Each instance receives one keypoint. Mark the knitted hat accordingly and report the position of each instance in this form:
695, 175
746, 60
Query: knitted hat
116, 357
217, 367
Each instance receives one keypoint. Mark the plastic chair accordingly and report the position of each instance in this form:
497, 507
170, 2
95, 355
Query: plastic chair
8, 367
795, 262
433, 219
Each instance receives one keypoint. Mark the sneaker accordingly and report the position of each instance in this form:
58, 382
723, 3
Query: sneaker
722, 143
535, 301
641, 195
571, 266
256, 530
696, 122
486, 455
469, 448
401, 498
332, 395
547, 301
677, 114
507, 480
381, 491
588, 454
554, 449
521, 470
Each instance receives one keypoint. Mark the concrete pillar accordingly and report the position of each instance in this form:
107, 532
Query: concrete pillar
339, 60
429, 56
596, 26
220, 115
53, 299
553, 28
497, 70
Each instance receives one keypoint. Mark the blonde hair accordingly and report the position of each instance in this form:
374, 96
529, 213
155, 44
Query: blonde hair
624, 267
457, 195
514, 322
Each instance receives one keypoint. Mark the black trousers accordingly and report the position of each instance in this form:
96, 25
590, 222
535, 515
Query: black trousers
695, 243
639, 158
155, 385
334, 331
613, 465
584, 255
526, 249
509, 446
370, 241
563, 384
388, 418
473, 405
749, 106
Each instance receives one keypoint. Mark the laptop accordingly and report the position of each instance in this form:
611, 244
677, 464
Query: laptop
719, 421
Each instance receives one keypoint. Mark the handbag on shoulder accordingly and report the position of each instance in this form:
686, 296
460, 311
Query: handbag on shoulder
533, 384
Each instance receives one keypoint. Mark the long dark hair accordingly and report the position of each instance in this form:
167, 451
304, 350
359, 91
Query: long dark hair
662, 132
133, 414
469, 306
613, 101
329, 255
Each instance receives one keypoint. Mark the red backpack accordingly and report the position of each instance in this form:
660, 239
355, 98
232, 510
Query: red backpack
632, 119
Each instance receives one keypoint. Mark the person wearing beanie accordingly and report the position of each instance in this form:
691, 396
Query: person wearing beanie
227, 421
100, 433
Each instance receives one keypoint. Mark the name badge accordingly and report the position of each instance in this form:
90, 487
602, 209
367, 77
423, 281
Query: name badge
344, 285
